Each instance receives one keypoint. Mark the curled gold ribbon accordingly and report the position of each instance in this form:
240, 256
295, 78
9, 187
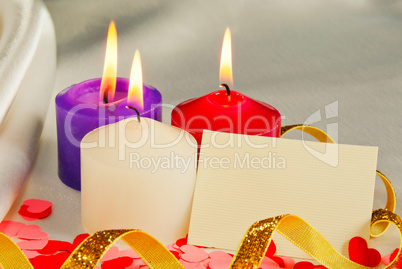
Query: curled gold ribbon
256, 241
11, 256
251, 250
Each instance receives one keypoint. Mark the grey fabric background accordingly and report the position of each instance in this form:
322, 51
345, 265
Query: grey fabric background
298, 56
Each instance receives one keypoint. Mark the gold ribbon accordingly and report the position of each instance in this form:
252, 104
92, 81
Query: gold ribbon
91, 250
251, 250
11, 256
256, 241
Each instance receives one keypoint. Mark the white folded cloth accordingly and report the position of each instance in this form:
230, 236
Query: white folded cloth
27, 69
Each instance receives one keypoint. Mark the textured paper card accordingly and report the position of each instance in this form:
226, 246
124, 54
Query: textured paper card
242, 179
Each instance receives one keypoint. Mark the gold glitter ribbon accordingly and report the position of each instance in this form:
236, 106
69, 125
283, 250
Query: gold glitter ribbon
91, 250
251, 250
11, 256
256, 241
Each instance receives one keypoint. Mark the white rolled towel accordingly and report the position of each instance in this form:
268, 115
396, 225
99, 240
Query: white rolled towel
27, 70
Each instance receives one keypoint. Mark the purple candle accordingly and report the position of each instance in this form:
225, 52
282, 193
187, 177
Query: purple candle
79, 110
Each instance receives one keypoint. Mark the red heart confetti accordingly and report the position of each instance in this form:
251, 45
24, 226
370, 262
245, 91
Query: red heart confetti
54, 246
33, 209
193, 254
29, 218
175, 253
386, 259
219, 260
393, 256
267, 263
191, 265
111, 254
44, 262
32, 232
289, 263
25, 214
30, 253
32, 244
304, 265
78, 239
117, 263
37, 206
182, 241
271, 249
361, 254
137, 264
11, 228
61, 258
37, 248
307, 265
279, 261
206, 262
129, 253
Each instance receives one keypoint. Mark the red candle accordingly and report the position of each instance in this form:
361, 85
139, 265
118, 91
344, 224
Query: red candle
226, 110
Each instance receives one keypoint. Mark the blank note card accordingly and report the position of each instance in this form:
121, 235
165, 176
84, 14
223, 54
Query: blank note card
242, 179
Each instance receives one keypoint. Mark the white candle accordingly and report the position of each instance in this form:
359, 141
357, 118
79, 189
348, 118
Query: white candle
138, 175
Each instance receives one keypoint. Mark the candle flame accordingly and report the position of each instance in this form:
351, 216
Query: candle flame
225, 74
135, 97
108, 84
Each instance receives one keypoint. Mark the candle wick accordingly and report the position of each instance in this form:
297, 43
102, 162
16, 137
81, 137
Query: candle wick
106, 95
226, 87
136, 110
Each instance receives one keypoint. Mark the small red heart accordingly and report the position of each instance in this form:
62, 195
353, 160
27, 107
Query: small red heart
175, 253
32, 232
304, 265
54, 246
11, 228
271, 249
37, 205
78, 239
289, 262
32, 244
129, 253
279, 261
193, 254
111, 254
361, 254
30, 253
219, 259
307, 265
191, 265
393, 256
35, 209
268, 263
182, 241
121, 262
61, 258
28, 218
44, 262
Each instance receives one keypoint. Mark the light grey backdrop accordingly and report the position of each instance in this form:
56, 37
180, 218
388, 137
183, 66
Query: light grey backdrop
298, 56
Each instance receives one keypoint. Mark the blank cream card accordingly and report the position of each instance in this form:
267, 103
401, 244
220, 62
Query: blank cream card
242, 179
